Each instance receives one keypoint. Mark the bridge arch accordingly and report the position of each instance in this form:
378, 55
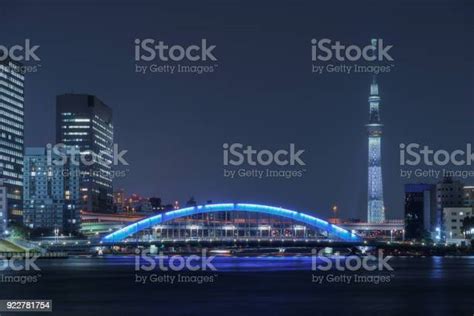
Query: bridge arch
149, 222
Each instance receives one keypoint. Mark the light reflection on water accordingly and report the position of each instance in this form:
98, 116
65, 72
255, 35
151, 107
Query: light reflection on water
437, 266
99, 286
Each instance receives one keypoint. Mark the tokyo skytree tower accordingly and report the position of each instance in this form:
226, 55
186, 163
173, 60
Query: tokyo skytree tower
375, 207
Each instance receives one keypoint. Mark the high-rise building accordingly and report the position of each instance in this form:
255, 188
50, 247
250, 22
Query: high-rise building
449, 193
375, 208
3, 209
85, 123
420, 210
11, 135
51, 191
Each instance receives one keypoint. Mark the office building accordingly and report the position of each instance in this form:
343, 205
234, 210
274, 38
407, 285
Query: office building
51, 191
453, 222
469, 196
420, 211
3, 209
85, 123
450, 193
11, 135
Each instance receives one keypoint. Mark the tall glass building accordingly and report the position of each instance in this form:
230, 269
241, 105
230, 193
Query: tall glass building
84, 122
420, 210
11, 135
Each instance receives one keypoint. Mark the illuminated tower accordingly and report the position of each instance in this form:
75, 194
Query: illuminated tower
375, 207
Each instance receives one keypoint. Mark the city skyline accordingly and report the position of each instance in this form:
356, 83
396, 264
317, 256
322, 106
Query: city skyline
334, 152
236, 157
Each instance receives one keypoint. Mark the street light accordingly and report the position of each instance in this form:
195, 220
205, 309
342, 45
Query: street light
56, 234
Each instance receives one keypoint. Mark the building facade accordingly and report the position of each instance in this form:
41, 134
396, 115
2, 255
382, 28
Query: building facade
51, 191
453, 221
469, 196
85, 123
12, 135
119, 201
3, 209
420, 211
375, 208
450, 193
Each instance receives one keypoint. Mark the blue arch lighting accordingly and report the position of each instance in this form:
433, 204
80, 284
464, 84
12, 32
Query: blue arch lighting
149, 222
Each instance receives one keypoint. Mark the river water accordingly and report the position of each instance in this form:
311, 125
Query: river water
247, 286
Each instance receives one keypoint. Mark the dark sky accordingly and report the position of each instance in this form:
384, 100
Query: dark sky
263, 93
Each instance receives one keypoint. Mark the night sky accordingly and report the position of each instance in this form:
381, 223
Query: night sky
262, 94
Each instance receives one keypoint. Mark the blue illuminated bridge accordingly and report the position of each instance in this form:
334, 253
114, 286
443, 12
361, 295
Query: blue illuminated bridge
231, 220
